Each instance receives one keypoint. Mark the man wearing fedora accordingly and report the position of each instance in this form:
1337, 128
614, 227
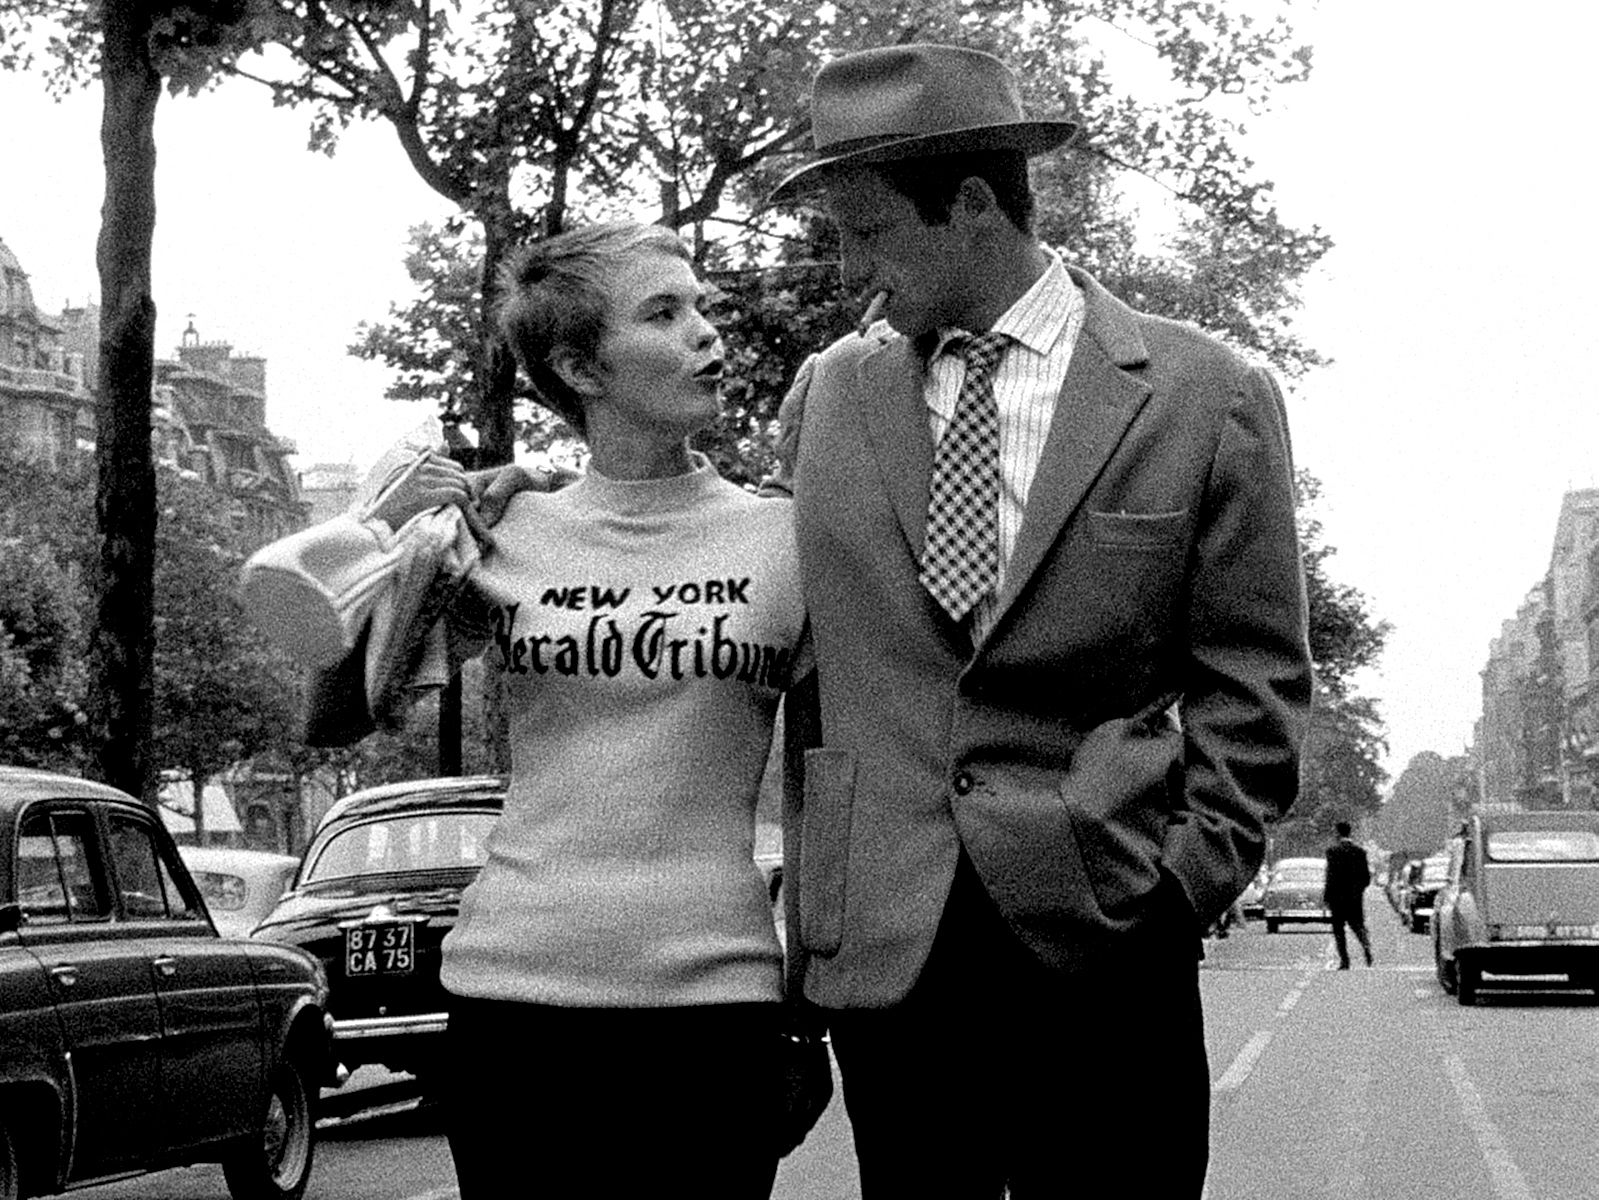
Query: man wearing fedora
1047, 545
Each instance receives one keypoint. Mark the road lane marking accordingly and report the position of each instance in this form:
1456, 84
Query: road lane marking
448, 1192
1238, 1071
1508, 1181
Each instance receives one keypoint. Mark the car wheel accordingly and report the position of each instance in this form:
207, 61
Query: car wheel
1271, 926
1448, 974
276, 1163
1466, 982
8, 1166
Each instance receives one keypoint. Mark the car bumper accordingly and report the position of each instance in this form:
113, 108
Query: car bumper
411, 1043
1576, 960
1297, 914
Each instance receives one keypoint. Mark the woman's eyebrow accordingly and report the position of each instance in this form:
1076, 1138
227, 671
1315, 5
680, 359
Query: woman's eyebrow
670, 296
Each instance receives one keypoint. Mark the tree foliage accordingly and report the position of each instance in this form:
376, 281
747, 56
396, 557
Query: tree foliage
1432, 795
1341, 774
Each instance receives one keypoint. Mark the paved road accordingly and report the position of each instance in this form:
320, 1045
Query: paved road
1368, 1084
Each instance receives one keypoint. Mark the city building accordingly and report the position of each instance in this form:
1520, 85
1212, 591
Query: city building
1501, 752
328, 489
210, 406
1537, 742
46, 406
1582, 739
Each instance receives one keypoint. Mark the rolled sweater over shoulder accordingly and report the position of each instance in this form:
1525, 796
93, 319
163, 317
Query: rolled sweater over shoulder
645, 630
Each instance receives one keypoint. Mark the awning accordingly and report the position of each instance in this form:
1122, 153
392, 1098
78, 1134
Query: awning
177, 808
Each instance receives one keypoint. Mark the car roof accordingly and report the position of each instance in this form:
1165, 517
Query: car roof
474, 791
1529, 821
18, 785
234, 858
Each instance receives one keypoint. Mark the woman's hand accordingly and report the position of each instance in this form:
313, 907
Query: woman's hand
430, 481
493, 487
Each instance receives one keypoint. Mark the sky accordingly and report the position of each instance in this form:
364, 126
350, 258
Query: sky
1438, 142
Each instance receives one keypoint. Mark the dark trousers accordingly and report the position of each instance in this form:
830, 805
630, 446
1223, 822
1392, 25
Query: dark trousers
1353, 916
612, 1102
997, 1071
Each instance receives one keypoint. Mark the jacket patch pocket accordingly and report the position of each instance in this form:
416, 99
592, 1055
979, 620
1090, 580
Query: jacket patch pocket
1119, 796
1138, 531
824, 854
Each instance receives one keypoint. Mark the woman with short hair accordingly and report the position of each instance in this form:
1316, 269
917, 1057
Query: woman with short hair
615, 968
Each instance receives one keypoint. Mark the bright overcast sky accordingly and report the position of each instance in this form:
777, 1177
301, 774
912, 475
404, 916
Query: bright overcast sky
1439, 142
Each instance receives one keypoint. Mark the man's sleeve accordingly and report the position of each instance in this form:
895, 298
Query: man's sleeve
790, 418
1247, 689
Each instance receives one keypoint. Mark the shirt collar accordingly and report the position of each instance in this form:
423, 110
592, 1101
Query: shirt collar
1039, 318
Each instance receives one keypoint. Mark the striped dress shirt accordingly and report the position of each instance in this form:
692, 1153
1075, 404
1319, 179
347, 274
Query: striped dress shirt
1044, 324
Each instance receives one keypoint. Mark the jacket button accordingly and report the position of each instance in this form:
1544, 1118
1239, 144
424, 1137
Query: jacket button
962, 782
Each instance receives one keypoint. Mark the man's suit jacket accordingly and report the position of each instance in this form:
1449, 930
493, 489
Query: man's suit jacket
1157, 558
1348, 876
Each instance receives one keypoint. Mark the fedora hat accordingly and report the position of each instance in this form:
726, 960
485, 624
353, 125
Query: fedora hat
900, 102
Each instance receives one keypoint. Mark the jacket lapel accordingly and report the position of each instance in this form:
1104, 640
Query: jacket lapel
895, 416
1097, 403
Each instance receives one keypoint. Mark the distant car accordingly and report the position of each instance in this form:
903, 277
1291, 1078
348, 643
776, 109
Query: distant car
1400, 866
1253, 900
1521, 898
1293, 893
1421, 891
379, 887
240, 886
132, 1037
769, 858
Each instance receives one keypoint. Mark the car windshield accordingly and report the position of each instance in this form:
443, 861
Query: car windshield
1302, 873
412, 842
1543, 845
222, 892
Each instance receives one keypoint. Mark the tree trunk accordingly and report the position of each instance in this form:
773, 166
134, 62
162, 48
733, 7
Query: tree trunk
122, 643
199, 810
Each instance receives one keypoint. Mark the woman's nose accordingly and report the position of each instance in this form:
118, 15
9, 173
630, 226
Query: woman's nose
704, 333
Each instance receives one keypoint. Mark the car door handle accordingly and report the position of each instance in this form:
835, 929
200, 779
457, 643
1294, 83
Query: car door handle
66, 974
166, 966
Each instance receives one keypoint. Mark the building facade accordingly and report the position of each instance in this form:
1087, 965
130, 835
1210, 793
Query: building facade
1537, 742
46, 406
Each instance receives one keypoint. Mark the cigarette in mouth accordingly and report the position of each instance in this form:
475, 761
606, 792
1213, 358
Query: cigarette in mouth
873, 311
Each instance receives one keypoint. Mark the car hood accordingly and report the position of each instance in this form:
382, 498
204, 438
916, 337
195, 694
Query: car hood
433, 894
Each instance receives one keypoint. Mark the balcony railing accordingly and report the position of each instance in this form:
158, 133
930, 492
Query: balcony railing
46, 381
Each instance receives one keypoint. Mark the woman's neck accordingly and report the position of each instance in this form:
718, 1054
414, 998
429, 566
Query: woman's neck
626, 459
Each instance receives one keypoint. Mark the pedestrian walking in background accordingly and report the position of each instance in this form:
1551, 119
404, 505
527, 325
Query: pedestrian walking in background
1348, 877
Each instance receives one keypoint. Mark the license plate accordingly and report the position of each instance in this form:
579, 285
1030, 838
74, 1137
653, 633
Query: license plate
380, 949
1554, 931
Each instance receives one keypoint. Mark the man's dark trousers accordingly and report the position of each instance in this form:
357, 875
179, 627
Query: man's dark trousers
1355, 918
998, 1071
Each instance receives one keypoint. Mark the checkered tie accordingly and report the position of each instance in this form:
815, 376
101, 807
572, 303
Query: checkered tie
960, 560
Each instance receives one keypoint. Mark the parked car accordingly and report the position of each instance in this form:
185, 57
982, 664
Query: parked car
1521, 898
378, 888
240, 886
135, 1038
1253, 900
769, 859
1400, 865
1293, 893
1421, 891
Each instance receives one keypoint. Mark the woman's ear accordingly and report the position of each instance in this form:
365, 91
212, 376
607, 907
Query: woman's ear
579, 373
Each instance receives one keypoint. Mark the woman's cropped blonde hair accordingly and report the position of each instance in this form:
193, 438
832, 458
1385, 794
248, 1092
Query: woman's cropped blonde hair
554, 295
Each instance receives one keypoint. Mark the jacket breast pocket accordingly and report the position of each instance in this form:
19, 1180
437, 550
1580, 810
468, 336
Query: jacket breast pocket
1138, 531
824, 847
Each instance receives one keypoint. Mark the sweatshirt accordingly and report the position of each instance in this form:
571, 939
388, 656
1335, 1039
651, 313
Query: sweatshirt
646, 630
